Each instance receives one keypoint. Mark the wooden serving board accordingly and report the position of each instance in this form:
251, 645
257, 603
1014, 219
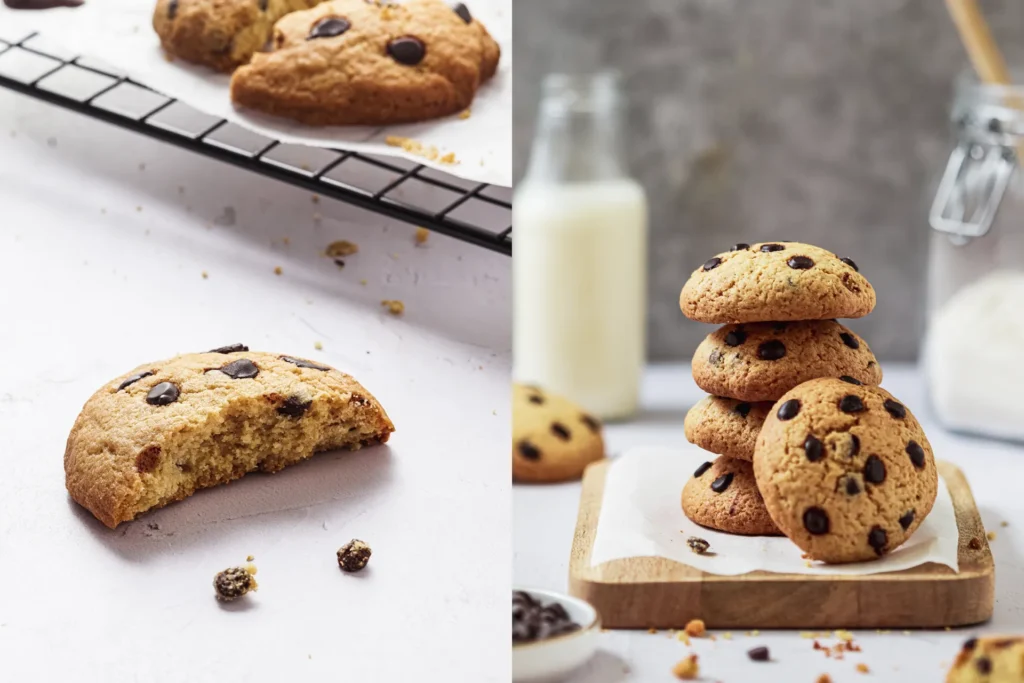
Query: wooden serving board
647, 592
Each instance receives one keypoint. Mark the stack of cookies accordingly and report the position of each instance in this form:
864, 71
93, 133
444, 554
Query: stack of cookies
783, 360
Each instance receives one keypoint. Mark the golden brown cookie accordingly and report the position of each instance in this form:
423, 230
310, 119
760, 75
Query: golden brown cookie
992, 659
723, 496
762, 361
845, 470
220, 34
726, 426
776, 281
553, 439
169, 428
357, 62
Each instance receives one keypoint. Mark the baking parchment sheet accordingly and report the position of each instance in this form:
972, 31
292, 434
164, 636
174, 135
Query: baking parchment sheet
120, 33
641, 517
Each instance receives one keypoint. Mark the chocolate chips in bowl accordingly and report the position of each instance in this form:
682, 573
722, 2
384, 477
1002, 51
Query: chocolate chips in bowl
552, 634
532, 620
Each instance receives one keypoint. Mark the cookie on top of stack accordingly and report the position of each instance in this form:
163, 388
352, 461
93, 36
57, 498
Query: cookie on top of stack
830, 467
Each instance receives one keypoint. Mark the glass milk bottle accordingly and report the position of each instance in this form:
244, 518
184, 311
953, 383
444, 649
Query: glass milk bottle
580, 254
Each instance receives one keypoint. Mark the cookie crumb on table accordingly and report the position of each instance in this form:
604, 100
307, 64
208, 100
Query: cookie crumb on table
697, 545
354, 555
316, 199
278, 270
318, 346
844, 636
683, 637
235, 582
863, 668
686, 669
465, 114
823, 678
394, 306
1004, 523
991, 535
341, 248
249, 558
421, 235
695, 628
206, 275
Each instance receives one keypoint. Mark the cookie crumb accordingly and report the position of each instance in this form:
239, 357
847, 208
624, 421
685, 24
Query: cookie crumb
759, 654
824, 678
1004, 523
362, 282
683, 637
341, 248
697, 545
991, 535
449, 158
394, 306
235, 582
278, 270
974, 543
686, 669
316, 216
338, 262
354, 555
844, 636
421, 235
948, 628
906, 633
316, 199
286, 241
652, 630
727, 635
755, 632
318, 346
206, 276
464, 114
695, 628
249, 558
138, 208
414, 147
807, 563
863, 668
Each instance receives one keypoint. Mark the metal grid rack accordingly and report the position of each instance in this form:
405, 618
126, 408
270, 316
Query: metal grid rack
477, 213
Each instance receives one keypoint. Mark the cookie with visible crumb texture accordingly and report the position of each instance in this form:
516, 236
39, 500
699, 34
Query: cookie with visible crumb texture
762, 361
553, 439
167, 429
845, 470
776, 281
725, 426
723, 495
992, 659
352, 62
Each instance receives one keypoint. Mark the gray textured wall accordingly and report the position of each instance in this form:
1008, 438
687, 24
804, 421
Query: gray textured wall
776, 119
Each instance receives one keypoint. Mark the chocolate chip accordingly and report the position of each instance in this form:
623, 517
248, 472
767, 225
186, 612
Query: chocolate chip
528, 450
354, 555
849, 262
780, 326
771, 247
758, 654
407, 50
233, 348
742, 409
895, 409
561, 431
874, 470
243, 368
851, 404
263, 5
715, 357
704, 467
983, 665
463, 12
591, 422
916, 454
294, 406
162, 394
800, 262
740, 246
536, 398
711, 264
851, 380
722, 483
877, 538
852, 487
772, 349
813, 448
970, 644
854, 445
789, 409
816, 521
906, 520
302, 363
133, 379
736, 337
328, 27
172, 9
849, 340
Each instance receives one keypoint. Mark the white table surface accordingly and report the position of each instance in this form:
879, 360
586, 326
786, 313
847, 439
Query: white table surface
101, 266
545, 516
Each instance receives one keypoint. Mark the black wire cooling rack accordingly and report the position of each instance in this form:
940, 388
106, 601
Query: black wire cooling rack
477, 213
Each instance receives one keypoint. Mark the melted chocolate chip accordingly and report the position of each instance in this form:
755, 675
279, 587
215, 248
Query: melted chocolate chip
293, 406
162, 394
528, 450
711, 264
407, 50
906, 520
816, 521
851, 404
328, 27
263, 5
722, 483
243, 368
736, 337
172, 9
133, 379
970, 644
773, 349
742, 409
771, 247
789, 409
463, 12
813, 448
849, 262
983, 665
916, 454
302, 363
854, 445
233, 348
874, 470
895, 409
704, 467
536, 398
851, 380
877, 539
591, 422
740, 246
800, 262
561, 431
715, 357
849, 340
852, 487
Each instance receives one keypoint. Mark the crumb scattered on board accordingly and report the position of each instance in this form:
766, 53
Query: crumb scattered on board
863, 668
318, 346
417, 148
422, 234
652, 630
686, 669
341, 248
249, 558
695, 628
394, 306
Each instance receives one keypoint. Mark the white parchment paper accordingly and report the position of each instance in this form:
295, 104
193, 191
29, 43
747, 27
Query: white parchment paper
120, 33
641, 517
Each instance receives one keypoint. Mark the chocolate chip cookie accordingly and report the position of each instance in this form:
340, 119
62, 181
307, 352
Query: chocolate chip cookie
726, 426
723, 495
553, 439
762, 361
845, 470
358, 62
993, 659
776, 281
220, 34
166, 429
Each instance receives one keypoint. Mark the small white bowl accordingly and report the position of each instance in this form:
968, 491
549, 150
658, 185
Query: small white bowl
555, 658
